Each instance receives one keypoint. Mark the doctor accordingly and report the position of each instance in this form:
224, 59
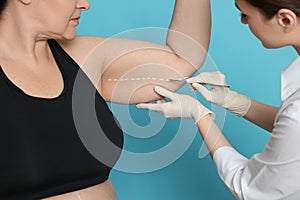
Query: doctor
274, 173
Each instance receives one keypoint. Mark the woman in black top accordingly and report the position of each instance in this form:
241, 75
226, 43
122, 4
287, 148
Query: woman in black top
41, 59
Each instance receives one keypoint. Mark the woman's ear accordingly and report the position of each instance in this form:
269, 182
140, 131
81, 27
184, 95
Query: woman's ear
287, 19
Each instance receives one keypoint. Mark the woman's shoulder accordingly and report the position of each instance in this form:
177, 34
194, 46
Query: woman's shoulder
81, 46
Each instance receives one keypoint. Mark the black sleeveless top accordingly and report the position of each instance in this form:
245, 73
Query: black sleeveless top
41, 153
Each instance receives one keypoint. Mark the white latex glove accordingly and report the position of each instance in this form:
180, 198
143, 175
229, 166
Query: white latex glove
180, 106
219, 93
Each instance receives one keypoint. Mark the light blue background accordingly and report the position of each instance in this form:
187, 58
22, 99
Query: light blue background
250, 69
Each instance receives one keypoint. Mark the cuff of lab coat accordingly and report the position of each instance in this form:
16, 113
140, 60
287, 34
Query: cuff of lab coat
227, 157
230, 165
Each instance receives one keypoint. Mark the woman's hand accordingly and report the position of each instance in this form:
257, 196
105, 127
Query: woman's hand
220, 94
180, 106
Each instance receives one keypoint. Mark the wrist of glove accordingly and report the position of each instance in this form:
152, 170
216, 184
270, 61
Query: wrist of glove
180, 106
200, 111
220, 94
237, 104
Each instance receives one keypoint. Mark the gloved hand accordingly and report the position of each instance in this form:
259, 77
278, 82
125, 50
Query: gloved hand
180, 106
220, 94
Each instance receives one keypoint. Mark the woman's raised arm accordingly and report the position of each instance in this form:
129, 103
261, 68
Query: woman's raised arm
125, 71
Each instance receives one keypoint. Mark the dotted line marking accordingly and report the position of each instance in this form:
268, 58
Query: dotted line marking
148, 78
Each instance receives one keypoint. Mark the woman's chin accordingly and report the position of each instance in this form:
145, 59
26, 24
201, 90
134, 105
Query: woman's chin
69, 36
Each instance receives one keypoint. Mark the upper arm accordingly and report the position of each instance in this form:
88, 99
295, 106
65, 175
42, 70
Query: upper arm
125, 71
131, 68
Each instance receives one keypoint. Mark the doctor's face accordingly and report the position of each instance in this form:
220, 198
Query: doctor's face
266, 30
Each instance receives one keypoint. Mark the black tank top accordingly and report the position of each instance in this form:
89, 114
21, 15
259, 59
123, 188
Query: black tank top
41, 154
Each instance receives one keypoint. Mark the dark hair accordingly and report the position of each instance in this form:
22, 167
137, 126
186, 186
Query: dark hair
2, 5
270, 7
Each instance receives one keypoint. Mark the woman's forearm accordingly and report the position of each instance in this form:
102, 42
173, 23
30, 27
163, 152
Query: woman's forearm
190, 29
262, 115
